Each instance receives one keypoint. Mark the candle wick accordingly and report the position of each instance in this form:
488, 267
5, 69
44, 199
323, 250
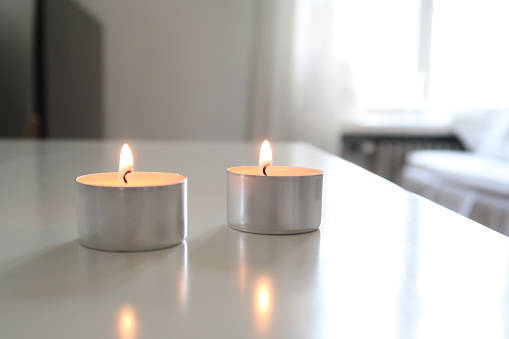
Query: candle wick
265, 169
127, 172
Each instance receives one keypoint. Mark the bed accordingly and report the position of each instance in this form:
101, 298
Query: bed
475, 182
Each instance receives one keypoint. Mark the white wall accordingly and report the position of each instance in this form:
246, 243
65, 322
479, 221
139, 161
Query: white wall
175, 69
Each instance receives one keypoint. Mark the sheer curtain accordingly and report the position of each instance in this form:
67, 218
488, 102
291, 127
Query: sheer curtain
301, 86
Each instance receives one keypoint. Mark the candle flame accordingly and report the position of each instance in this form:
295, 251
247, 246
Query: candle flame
265, 156
126, 161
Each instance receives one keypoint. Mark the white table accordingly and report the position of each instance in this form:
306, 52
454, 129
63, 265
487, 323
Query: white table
385, 263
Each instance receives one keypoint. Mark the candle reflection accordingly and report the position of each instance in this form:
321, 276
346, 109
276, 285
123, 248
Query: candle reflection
183, 278
263, 303
242, 266
127, 323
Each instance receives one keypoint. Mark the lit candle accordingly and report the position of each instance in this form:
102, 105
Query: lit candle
271, 199
131, 211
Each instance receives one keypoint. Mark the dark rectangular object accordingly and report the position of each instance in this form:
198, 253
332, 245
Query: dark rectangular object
385, 154
68, 63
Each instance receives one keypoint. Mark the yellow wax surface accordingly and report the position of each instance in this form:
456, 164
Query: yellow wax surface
134, 179
275, 171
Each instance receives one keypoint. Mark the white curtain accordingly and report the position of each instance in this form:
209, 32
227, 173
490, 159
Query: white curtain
301, 86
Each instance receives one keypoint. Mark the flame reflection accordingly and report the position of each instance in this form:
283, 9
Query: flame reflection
127, 323
263, 303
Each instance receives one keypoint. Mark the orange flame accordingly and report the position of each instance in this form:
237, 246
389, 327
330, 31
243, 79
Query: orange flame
125, 164
265, 155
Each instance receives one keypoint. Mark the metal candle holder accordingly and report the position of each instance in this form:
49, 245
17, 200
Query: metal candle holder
281, 202
131, 218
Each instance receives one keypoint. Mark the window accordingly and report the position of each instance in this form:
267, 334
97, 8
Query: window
470, 54
417, 55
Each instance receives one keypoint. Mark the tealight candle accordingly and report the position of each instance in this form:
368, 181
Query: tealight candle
269, 199
128, 211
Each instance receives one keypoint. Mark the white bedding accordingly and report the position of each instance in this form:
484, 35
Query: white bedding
472, 170
460, 182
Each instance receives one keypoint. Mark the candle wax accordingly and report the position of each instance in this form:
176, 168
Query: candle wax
134, 179
275, 171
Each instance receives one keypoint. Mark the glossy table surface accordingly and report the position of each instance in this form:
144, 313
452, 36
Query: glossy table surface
384, 264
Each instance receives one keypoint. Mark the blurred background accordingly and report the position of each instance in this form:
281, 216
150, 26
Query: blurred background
349, 76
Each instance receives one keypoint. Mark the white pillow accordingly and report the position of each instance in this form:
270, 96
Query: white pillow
484, 131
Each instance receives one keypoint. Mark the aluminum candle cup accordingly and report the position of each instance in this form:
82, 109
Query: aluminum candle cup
288, 200
147, 213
